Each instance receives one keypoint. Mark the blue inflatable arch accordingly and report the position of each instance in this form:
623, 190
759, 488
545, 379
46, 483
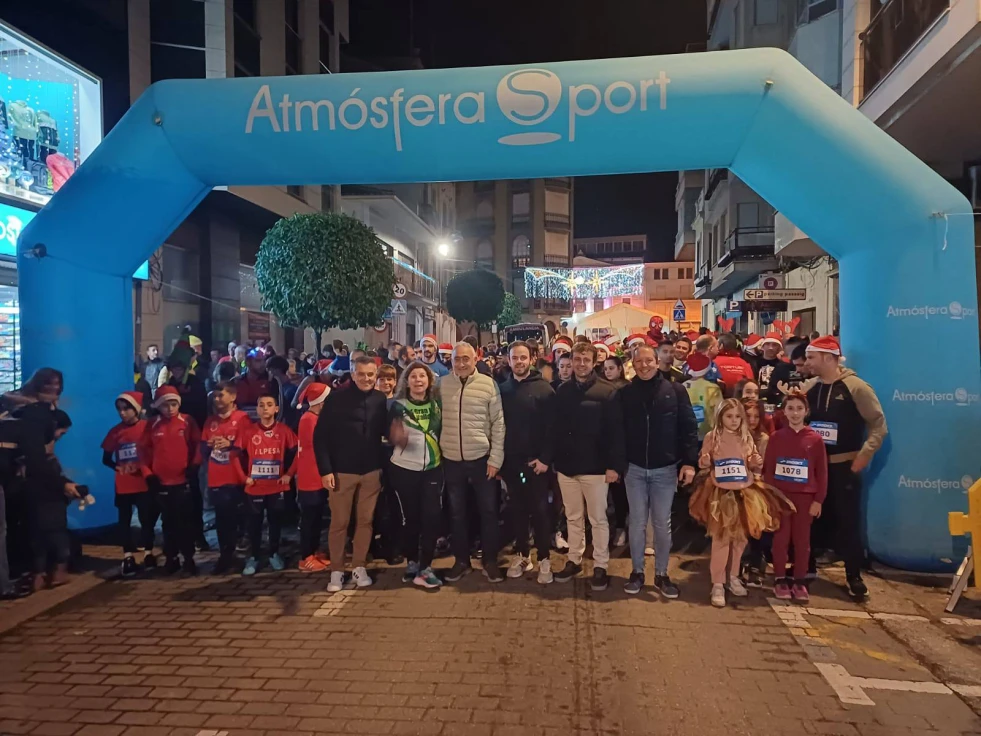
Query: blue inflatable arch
904, 237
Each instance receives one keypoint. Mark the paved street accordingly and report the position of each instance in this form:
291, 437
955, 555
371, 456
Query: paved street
276, 654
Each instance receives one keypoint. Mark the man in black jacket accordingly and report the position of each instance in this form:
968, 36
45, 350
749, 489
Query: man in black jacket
526, 399
586, 441
348, 444
661, 433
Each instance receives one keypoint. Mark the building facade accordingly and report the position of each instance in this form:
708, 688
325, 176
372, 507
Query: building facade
613, 250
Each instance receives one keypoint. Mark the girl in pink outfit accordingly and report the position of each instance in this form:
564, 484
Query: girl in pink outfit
730, 499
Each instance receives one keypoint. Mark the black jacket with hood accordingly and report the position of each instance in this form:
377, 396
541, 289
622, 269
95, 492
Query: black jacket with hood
526, 407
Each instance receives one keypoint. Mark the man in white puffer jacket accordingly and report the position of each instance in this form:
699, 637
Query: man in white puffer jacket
472, 442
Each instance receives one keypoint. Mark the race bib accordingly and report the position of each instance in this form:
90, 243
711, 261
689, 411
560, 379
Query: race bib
791, 469
827, 430
699, 413
769, 408
127, 453
265, 469
731, 469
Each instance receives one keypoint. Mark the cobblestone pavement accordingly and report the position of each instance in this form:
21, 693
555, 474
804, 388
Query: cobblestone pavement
276, 654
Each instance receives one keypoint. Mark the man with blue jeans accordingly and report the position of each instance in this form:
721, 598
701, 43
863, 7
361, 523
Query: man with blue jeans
661, 434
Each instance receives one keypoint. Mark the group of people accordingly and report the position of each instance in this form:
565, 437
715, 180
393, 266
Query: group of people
768, 435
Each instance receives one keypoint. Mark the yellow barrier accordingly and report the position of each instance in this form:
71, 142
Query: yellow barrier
969, 523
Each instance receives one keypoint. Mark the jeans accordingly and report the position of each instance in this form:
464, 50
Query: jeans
272, 507
176, 504
420, 495
651, 493
312, 505
5, 586
528, 501
227, 502
586, 495
460, 475
145, 511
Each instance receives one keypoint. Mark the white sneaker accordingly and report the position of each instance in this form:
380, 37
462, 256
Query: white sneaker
336, 583
560, 543
737, 588
361, 577
519, 566
621, 538
648, 551
719, 595
545, 572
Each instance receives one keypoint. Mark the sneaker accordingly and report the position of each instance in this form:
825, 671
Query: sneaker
718, 595
394, 560
799, 592
519, 566
361, 577
782, 591
457, 572
427, 579
336, 583
171, 566
568, 572
251, 566
545, 572
753, 578
620, 538
411, 572
493, 574
128, 567
322, 557
201, 544
857, 588
560, 543
189, 567
311, 564
224, 564
737, 588
663, 584
635, 584
149, 561
242, 545
276, 562
600, 580
648, 551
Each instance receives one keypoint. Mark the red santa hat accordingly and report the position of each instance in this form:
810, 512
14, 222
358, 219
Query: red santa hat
429, 338
321, 365
562, 344
752, 342
445, 348
635, 339
611, 342
828, 344
691, 335
133, 398
698, 364
315, 393
771, 337
166, 393
600, 345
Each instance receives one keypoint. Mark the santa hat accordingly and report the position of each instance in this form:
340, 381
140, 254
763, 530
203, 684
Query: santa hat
315, 393
635, 339
133, 398
600, 345
429, 338
445, 348
691, 335
562, 344
166, 393
611, 342
771, 336
751, 342
321, 365
698, 365
827, 344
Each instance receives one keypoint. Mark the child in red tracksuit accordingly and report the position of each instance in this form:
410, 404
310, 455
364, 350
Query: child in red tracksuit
796, 463
311, 496
124, 450
175, 454
270, 449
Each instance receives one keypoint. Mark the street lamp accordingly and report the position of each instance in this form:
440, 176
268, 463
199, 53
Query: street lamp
443, 248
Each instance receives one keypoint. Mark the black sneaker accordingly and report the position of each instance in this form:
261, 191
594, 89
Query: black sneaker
171, 566
493, 574
457, 572
225, 564
568, 572
668, 589
600, 580
856, 588
202, 544
189, 567
128, 568
635, 584
754, 579
149, 561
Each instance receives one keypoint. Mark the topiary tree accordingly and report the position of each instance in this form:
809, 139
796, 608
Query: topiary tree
510, 312
322, 271
475, 296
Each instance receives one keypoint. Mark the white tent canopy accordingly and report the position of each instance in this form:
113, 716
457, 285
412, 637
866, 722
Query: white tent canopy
620, 320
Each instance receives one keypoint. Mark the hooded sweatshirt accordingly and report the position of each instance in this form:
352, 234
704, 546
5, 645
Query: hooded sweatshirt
848, 415
796, 462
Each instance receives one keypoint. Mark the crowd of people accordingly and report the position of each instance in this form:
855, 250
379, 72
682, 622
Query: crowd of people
408, 451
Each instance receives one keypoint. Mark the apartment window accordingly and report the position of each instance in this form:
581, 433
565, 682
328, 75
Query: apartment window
520, 207
598, 305
689, 273
177, 40
681, 273
747, 214
325, 41
618, 246
181, 281
485, 255
327, 198
656, 274
245, 37
765, 12
293, 43
521, 247
639, 245
295, 190
664, 274
327, 14
485, 210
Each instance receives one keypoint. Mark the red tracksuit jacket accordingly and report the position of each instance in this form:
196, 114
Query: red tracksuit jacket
796, 462
175, 445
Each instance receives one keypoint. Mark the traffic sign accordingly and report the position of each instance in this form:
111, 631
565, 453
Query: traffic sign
398, 306
387, 316
734, 307
679, 311
399, 291
762, 295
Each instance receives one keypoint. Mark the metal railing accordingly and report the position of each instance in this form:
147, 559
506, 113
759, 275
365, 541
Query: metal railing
893, 31
747, 243
520, 261
703, 276
416, 281
717, 177
556, 261
552, 305
556, 219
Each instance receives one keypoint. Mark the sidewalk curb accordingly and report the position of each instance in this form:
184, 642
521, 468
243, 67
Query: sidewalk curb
40, 603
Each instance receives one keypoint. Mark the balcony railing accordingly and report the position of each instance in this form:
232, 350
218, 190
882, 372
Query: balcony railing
703, 276
416, 281
552, 305
894, 30
556, 261
556, 219
520, 261
718, 176
747, 243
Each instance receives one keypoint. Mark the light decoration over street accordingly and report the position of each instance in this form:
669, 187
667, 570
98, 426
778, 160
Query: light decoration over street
584, 283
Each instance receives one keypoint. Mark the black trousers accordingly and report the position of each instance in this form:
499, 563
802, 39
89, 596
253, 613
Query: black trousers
272, 507
420, 496
312, 505
177, 505
227, 502
840, 524
621, 509
196, 519
146, 512
460, 476
528, 503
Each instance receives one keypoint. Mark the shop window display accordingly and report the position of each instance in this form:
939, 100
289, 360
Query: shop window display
50, 118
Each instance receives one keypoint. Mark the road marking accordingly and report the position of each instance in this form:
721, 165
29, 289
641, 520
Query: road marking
864, 615
972, 691
334, 605
212, 733
843, 684
898, 617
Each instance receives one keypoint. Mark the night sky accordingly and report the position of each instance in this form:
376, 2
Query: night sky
452, 33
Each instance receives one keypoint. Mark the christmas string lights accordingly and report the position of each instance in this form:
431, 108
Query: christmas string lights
584, 283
